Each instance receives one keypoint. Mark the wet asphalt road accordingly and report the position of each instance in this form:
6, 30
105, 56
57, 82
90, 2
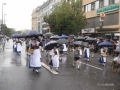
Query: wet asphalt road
15, 74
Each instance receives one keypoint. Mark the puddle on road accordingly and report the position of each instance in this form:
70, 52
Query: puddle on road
15, 61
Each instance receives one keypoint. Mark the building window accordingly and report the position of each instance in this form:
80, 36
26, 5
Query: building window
96, 4
101, 3
111, 2
93, 6
116, 1
86, 8
106, 2
89, 7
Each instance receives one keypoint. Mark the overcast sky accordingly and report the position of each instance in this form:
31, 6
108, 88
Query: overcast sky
18, 12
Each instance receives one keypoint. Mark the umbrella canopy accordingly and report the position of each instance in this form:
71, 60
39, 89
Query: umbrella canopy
80, 38
105, 44
79, 43
50, 45
71, 35
54, 37
90, 39
48, 34
62, 41
117, 50
64, 36
17, 36
33, 33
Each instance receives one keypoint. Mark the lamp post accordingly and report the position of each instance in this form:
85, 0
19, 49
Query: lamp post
2, 16
4, 24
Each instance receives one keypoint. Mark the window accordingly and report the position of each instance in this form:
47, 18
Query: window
86, 8
93, 6
96, 4
111, 2
116, 1
106, 2
89, 7
101, 3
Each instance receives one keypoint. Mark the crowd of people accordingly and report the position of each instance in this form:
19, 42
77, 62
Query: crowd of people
56, 54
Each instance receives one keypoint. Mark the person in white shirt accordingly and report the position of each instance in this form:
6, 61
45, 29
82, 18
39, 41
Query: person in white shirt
3, 42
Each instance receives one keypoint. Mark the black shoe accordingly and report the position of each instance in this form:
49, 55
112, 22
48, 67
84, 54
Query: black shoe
50, 67
73, 66
56, 70
33, 70
78, 68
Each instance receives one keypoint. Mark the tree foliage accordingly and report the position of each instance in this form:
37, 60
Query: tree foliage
7, 31
67, 18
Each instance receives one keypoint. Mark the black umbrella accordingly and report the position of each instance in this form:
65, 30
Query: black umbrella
62, 41
50, 45
90, 39
17, 36
80, 38
79, 43
48, 34
33, 33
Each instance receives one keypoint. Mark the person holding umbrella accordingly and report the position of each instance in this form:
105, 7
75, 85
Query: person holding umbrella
18, 46
76, 58
35, 61
102, 59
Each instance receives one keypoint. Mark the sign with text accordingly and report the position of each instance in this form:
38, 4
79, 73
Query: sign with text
108, 9
88, 30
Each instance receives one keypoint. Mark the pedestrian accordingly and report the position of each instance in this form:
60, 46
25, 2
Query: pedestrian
55, 61
35, 58
80, 52
86, 53
102, 59
18, 46
64, 48
27, 44
76, 58
92, 50
3, 42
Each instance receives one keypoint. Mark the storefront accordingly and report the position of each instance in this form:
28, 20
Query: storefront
89, 32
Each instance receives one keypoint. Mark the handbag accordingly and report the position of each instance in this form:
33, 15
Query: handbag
30, 51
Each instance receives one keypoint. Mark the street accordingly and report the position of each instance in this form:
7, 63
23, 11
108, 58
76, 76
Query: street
16, 75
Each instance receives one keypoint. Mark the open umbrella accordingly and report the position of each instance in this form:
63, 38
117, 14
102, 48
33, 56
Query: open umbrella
105, 44
90, 39
54, 37
80, 38
33, 33
62, 41
64, 36
16, 36
71, 35
48, 34
79, 43
50, 45
85, 44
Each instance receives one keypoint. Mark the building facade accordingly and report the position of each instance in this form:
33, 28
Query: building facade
110, 23
35, 18
46, 9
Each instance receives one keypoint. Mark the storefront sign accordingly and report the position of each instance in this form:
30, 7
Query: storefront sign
88, 30
108, 9
116, 34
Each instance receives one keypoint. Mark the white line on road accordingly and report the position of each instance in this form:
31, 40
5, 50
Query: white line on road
48, 68
92, 66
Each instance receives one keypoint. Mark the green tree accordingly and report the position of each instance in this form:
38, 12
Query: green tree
67, 18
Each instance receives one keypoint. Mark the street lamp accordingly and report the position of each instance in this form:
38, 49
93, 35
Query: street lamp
2, 16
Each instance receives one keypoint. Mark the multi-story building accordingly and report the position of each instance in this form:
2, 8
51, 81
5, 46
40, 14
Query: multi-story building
35, 18
46, 9
111, 21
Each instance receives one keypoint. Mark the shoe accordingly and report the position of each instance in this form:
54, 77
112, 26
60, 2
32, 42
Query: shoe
56, 70
36, 71
33, 70
78, 68
50, 67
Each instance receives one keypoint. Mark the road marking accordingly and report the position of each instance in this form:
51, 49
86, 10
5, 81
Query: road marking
48, 68
92, 66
